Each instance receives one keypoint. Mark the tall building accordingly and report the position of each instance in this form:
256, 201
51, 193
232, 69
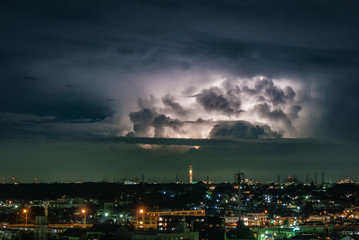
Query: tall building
190, 174
239, 177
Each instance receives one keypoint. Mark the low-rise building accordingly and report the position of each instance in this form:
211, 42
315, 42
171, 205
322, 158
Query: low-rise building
146, 220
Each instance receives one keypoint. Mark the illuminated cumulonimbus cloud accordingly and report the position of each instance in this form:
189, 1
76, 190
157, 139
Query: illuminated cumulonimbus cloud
243, 108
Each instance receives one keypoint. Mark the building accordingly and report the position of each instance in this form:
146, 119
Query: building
254, 219
181, 232
209, 228
116, 232
146, 220
249, 219
73, 234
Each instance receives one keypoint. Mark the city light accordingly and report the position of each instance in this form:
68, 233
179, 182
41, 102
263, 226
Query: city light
25, 211
84, 213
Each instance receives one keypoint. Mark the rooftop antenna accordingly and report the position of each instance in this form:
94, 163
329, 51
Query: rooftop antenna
307, 178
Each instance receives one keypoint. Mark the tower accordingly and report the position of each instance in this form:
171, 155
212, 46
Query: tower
239, 177
190, 175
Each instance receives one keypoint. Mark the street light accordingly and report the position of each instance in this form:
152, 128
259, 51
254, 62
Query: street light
25, 211
140, 218
84, 213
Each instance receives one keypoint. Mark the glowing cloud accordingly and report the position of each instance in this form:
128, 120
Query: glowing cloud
256, 107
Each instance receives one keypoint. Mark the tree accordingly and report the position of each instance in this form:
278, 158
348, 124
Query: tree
286, 222
240, 232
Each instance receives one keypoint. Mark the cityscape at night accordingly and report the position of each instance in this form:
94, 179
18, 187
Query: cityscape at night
135, 209
179, 120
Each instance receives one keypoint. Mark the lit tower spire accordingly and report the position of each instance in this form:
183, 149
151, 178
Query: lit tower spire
190, 174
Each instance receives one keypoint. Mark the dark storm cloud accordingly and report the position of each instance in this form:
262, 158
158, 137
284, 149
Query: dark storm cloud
146, 120
34, 96
170, 101
275, 115
163, 121
12, 124
143, 116
14, 118
289, 93
242, 130
275, 95
249, 90
213, 99
293, 111
142, 120
273, 60
263, 84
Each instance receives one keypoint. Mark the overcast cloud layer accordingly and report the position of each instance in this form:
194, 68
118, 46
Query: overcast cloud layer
179, 69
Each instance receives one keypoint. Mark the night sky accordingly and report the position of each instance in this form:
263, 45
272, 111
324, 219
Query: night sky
116, 89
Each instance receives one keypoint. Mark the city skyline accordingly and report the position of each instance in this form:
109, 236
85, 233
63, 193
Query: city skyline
125, 89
